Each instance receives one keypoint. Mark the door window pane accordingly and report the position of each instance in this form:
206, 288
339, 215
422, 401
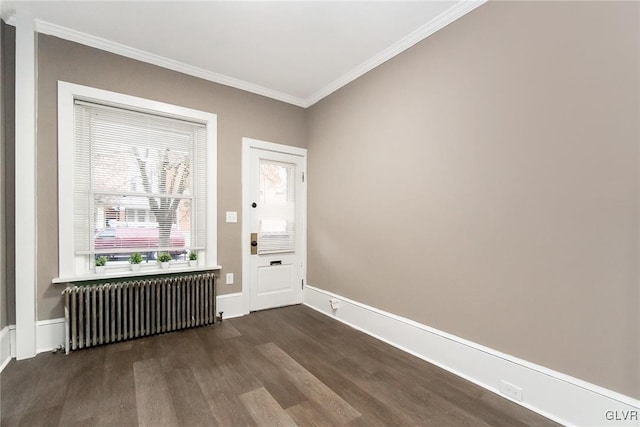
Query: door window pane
276, 220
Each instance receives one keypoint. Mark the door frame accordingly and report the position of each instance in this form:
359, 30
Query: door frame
249, 144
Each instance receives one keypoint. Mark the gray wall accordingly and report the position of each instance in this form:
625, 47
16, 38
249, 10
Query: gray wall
7, 133
240, 114
485, 183
3, 242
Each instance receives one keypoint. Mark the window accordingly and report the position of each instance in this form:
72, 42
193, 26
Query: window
276, 227
140, 178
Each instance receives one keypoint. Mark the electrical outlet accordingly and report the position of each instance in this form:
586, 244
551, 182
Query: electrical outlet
229, 278
231, 216
511, 390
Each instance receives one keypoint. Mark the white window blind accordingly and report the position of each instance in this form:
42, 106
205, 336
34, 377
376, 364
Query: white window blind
277, 214
139, 182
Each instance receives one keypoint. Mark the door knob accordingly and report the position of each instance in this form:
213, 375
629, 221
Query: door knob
254, 243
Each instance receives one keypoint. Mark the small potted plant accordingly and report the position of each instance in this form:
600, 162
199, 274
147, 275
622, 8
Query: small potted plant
135, 259
101, 261
193, 258
164, 259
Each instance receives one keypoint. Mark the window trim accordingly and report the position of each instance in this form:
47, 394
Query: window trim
77, 267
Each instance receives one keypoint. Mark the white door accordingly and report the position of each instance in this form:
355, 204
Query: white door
275, 250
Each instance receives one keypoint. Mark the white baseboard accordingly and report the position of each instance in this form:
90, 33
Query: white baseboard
49, 334
555, 395
12, 339
231, 305
5, 346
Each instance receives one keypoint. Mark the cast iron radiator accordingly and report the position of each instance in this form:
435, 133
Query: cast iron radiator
112, 312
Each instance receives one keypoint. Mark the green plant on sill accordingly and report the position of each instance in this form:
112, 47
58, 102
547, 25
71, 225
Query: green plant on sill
164, 257
193, 256
101, 261
135, 258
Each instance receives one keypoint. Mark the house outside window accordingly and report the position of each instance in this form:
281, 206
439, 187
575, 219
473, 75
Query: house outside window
140, 180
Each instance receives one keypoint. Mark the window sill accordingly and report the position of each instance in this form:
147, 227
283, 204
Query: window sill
141, 273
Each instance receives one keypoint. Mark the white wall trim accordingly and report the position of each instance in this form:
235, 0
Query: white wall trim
50, 334
272, 146
555, 395
5, 347
456, 11
12, 340
25, 183
445, 18
71, 265
231, 305
150, 58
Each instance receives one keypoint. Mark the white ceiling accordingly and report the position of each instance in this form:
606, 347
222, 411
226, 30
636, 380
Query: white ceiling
294, 51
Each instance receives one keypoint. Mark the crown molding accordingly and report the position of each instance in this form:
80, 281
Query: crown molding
445, 18
48, 28
458, 10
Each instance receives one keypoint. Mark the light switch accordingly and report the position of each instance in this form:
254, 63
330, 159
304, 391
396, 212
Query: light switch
229, 279
232, 216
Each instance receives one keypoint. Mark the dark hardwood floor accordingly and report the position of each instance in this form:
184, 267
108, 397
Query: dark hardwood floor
288, 366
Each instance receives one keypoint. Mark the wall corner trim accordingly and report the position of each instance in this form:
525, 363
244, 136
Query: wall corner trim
25, 183
557, 396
